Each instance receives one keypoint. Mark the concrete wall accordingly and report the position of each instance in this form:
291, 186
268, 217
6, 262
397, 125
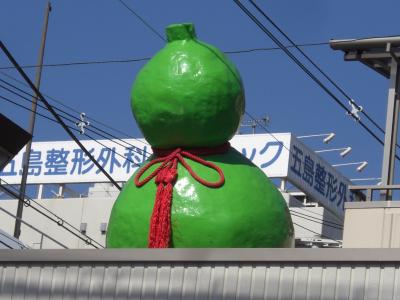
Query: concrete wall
373, 224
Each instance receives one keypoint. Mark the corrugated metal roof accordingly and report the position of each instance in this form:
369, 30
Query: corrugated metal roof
170, 278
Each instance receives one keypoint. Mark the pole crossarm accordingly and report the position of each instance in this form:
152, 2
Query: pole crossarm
375, 53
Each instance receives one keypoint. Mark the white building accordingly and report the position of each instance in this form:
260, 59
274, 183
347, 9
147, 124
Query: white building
80, 221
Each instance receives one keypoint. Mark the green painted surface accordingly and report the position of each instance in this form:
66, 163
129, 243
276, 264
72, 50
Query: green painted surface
188, 94
248, 211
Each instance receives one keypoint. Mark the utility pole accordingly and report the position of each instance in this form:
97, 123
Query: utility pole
381, 54
392, 124
25, 163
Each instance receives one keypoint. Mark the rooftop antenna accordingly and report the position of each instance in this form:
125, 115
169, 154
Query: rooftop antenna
254, 123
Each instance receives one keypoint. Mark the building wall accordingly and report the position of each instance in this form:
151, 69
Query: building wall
372, 224
76, 211
317, 219
313, 222
96, 208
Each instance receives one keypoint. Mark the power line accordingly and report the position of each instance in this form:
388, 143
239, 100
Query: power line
315, 221
317, 233
71, 128
58, 220
273, 136
274, 39
341, 90
41, 106
26, 85
267, 131
274, 48
280, 47
92, 138
74, 129
297, 214
54, 113
15, 103
317, 214
240, 51
74, 118
229, 52
26, 108
71, 109
121, 1
129, 60
315, 218
142, 20
311, 75
133, 148
49, 108
80, 63
120, 155
32, 227
317, 67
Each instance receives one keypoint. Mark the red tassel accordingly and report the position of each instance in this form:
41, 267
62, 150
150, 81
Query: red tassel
166, 174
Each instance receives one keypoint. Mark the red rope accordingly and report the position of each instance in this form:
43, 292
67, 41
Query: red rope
165, 178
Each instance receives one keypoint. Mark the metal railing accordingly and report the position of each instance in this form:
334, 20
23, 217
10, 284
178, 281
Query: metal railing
371, 188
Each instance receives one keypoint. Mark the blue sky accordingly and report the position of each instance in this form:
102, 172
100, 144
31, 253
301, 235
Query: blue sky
275, 86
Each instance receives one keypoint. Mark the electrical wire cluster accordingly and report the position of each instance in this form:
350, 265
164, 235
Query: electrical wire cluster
36, 206
141, 59
69, 117
310, 74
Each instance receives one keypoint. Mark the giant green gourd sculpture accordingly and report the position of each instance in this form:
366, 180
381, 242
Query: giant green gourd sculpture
188, 101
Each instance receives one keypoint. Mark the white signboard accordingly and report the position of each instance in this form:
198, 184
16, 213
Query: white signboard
65, 162
317, 178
